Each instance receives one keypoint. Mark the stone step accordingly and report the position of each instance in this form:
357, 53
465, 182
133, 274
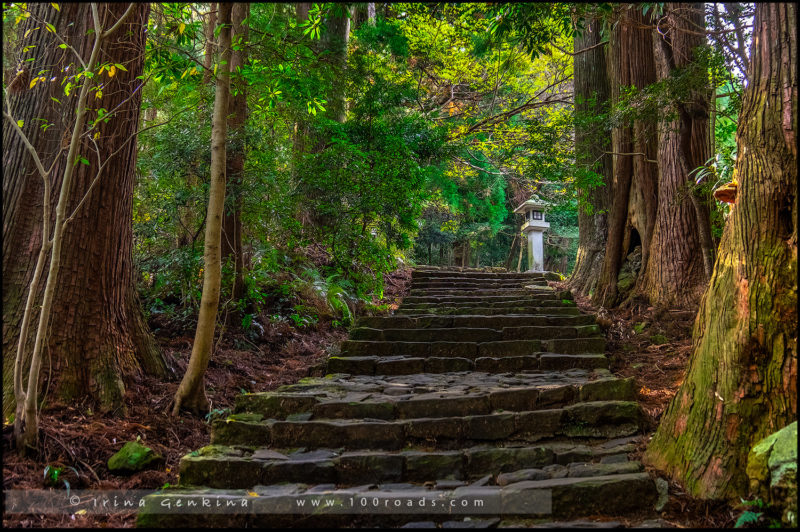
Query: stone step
473, 349
277, 505
489, 322
220, 466
399, 365
419, 274
489, 311
522, 293
512, 299
597, 419
473, 333
538, 391
444, 284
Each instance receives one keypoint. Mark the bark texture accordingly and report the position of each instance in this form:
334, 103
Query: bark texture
234, 166
191, 394
591, 95
742, 379
675, 274
630, 63
98, 337
336, 39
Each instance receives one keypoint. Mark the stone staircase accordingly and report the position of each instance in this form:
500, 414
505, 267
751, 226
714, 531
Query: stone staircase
485, 397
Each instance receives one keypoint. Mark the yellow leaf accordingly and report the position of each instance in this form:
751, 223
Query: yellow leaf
181, 28
252, 493
33, 82
80, 512
55, 6
96, 135
98, 95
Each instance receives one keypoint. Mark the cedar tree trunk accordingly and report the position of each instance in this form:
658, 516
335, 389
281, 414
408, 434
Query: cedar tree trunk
742, 380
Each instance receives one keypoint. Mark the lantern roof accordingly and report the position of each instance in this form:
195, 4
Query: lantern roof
534, 203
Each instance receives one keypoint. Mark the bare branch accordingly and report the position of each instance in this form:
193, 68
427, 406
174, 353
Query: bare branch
119, 23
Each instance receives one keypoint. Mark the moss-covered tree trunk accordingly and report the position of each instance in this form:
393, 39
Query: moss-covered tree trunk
675, 274
97, 337
741, 384
191, 394
591, 144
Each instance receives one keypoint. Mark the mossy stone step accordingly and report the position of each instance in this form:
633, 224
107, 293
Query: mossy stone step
598, 419
478, 285
484, 310
471, 350
466, 291
510, 299
218, 466
482, 275
476, 401
399, 365
467, 321
453, 334
271, 506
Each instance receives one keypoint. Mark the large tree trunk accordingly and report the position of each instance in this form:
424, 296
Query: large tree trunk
741, 384
591, 95
98, 337
630, 63
191, 394
234, 167
675, 274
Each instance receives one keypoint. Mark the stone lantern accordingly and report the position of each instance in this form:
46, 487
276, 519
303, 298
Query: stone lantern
533, 227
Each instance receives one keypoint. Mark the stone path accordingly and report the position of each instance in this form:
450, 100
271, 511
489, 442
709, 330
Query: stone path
486, 397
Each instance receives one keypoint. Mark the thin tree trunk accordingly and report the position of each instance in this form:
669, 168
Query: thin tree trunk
301, 10
510, 258
234, 169
620, 60
208, 55
191, 393
591, 95
99, 338
742, 379
337, 37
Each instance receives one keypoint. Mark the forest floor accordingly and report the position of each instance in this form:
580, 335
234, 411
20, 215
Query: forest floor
651, 346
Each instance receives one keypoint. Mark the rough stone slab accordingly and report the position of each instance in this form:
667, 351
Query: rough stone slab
576, 345
434, 364
550, 361
597, 495
421, 467
275, 405
400, 366
353, 365
437, 406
